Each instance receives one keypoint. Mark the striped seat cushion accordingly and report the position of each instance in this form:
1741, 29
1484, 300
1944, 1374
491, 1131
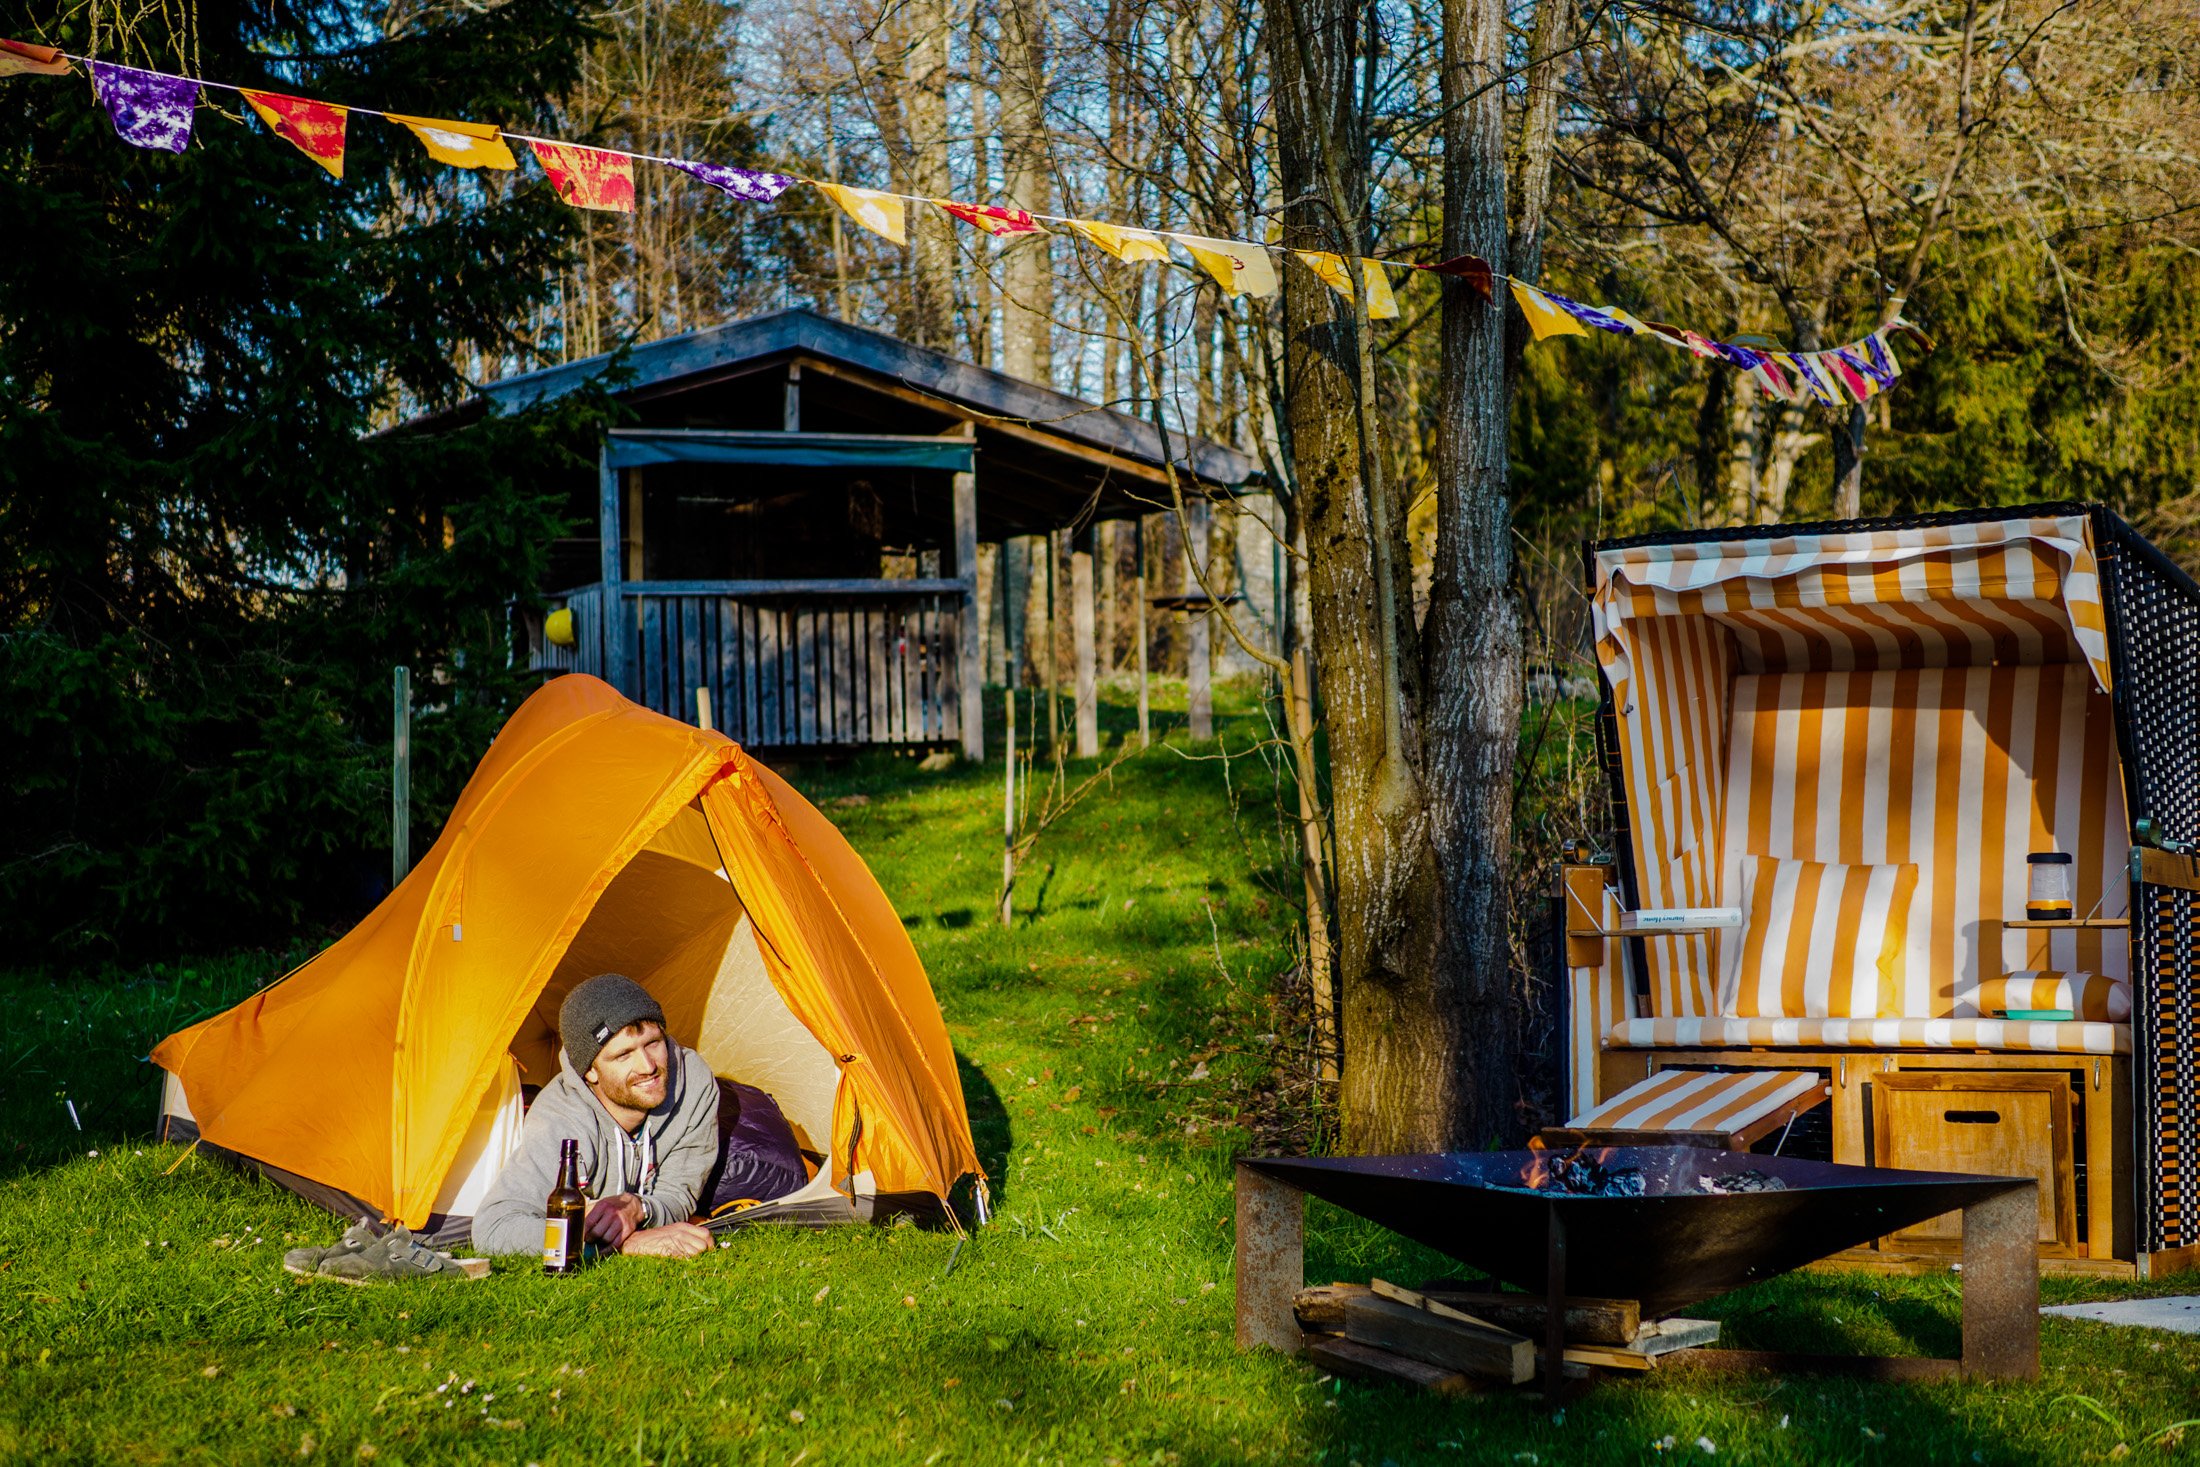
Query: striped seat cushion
2090, 996
2004, 1034
1824, 940
1700, 1100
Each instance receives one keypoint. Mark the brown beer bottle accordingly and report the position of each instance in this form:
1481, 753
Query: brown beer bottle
567, 1214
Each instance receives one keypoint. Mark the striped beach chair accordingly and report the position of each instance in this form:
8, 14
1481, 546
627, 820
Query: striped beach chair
1846, 741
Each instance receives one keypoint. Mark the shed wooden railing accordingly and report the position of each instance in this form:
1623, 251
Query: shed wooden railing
843, 662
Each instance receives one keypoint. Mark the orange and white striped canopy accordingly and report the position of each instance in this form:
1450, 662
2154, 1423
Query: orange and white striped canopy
2024, 591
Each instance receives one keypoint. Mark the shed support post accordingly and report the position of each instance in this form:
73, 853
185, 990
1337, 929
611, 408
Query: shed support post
1199, 657
970, 643
1081, 624
616, 626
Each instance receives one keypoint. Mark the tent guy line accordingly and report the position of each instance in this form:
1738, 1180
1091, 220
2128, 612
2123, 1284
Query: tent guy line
152, 109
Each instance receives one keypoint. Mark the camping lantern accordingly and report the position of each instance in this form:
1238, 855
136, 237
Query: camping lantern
2048, 896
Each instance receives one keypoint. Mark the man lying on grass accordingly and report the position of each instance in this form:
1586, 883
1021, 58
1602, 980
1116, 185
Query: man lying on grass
645, 1112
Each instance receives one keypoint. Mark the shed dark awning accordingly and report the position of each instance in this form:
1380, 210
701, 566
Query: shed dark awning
632, 448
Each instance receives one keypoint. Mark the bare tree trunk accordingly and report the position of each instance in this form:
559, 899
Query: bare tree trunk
1848, 464
932, 288
1423, 722
1027, 306
979, 330
1474, 637
1742, 484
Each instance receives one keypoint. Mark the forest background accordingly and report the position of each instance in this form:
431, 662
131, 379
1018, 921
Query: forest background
211, 554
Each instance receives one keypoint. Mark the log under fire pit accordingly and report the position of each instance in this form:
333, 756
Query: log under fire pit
1668, 1226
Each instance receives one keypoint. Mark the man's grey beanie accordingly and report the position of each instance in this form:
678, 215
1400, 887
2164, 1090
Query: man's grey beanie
599, 1008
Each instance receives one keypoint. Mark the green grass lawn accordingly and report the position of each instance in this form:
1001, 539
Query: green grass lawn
1114, 1044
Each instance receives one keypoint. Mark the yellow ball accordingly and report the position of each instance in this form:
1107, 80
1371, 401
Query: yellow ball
558, 627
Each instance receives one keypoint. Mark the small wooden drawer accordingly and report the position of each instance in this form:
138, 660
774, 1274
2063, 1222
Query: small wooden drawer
1998, 1125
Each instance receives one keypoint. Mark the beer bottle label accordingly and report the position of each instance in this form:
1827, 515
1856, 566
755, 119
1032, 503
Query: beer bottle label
556, 1239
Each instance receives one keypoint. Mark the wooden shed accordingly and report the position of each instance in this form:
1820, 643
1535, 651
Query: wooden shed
788, 528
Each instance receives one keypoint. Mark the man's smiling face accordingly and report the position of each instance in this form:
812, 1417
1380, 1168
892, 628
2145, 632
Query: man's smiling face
630, 1069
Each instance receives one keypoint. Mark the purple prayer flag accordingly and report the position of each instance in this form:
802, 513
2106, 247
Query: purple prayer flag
1739, 356
1881, 369
1817, 384
1590, 315
149, 108
741, 183
1866, 368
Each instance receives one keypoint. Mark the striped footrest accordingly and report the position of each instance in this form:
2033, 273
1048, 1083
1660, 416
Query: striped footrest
1722, 1108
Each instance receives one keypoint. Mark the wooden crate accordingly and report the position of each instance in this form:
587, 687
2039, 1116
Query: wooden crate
2004, 1125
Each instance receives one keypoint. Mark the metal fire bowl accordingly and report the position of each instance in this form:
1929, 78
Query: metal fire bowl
1670, 1248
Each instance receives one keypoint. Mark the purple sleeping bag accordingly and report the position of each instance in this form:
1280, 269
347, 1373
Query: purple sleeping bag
758, 1157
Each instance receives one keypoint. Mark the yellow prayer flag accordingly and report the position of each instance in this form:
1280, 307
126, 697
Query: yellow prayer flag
1131, 246
1238, 267
1545, 318
1381, 304
460, 144
882, 214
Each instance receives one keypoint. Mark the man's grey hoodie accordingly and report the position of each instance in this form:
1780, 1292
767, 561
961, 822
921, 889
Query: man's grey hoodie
681, 1136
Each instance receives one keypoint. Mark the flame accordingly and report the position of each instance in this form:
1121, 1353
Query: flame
1542, 1172
1538, 1174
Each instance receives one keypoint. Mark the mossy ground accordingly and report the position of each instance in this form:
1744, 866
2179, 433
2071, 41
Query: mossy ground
144, 1315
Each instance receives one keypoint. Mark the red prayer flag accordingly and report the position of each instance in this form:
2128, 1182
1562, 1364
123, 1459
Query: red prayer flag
1473, 269
999, 222
22, 58
316, 129
588, 178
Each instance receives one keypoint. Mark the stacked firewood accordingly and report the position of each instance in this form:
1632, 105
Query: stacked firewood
1450, 1340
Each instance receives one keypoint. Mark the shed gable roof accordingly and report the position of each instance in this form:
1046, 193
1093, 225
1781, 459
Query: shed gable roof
984, 393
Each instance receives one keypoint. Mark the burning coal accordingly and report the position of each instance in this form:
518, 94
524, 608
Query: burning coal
1591, 1172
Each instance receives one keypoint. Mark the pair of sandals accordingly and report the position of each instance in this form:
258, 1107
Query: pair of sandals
364, 1255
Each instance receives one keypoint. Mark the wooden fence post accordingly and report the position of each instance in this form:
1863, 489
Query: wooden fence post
1008, 806
400, 775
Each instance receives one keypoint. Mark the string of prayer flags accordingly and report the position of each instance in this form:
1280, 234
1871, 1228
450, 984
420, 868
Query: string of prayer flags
1381, 304
882, 213
315, 129
148, 108
1131, 246
750, 184
1000, 222
460, 144
588, 178
24, 58
1239, 268
152, 109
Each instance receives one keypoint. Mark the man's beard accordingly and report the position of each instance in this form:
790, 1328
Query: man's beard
632, 1099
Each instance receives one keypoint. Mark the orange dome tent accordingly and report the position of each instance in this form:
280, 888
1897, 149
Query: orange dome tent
385, 1075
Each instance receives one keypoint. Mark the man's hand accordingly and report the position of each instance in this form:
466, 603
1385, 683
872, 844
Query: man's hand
614, 1219
673, 1240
